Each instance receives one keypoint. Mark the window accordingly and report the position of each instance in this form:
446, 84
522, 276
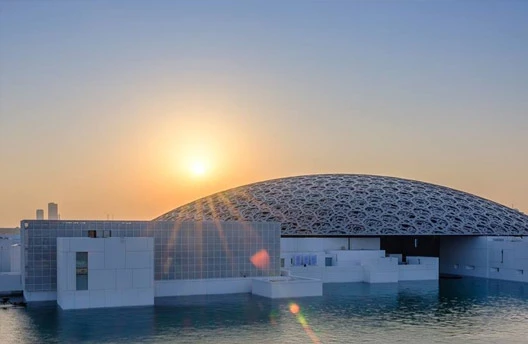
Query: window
107, 233
92, 234
328, 261
81, 270
282, 262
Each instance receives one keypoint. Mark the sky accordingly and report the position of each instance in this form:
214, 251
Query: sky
128, 109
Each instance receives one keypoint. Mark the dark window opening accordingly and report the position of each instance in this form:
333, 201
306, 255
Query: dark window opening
81, 270
328, 261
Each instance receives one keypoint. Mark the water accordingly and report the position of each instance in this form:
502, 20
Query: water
468, 310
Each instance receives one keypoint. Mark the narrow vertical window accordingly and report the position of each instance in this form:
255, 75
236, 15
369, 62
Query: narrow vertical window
328, 261
81, 272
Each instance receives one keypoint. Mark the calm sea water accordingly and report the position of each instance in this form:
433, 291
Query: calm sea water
449, 311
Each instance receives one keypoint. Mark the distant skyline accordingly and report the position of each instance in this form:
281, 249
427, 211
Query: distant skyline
130, 109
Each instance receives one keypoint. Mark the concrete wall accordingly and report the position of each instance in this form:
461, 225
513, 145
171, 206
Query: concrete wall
380, 270
371, 268
16, 256
504, 258
364, 262
5, 255
384, 270
120, 272
10, 277
419, 269
365, 243
356, 257
336, 248
202, 287
326, 244
312, 244
37, 296
10, 282
286, 287
330, 274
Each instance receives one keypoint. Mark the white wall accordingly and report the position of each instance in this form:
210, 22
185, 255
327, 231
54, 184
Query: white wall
504, 258
365, 263
36, 296
336, 248
419, 269
284, 287
16, 264
330, 274
312, 244
202, 287
10, 282
365, 243
120, 272
356, 257
326, 244
380, 270
5, 255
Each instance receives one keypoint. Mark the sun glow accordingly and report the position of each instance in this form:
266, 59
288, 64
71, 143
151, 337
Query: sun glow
198, 168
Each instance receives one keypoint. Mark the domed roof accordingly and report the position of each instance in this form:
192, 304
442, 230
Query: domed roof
356, 205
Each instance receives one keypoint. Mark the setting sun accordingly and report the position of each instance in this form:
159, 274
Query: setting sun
198, 168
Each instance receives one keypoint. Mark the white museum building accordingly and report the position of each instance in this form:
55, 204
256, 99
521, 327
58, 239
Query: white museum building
279, 238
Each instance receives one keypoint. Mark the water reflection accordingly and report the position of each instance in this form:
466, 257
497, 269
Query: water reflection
447, 311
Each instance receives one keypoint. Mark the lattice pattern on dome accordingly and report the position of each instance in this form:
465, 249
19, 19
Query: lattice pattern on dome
335, 205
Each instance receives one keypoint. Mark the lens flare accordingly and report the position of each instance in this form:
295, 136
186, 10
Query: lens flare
260, 259
295, 309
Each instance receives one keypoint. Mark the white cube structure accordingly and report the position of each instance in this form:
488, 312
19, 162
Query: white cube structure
105, 272
286, 287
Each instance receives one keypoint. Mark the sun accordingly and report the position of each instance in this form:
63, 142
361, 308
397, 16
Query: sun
198, 168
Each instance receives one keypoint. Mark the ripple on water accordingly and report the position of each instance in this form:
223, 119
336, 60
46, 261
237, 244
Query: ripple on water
449, 311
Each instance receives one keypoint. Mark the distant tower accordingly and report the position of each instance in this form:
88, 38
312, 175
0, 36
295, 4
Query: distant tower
40, 214
53, 211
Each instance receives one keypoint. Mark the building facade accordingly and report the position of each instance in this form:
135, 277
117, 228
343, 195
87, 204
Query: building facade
105, 272
325, 217
183, 251
53, 211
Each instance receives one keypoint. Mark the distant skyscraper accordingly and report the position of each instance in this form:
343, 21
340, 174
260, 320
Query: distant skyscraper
53, 211
40, 214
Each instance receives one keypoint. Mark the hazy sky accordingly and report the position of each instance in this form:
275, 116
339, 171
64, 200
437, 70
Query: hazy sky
104, 105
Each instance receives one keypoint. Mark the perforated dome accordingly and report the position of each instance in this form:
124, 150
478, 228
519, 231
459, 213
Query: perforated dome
356, 205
